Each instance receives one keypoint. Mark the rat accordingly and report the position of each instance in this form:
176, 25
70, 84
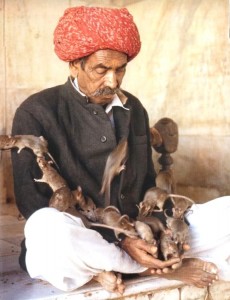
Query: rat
168, 246
7, 142
62, 199
181, 206
179, 229
155, 224
165, 180
114, 165
61, 204
145, 232
50, 175
85, 203
111, 216
37, 144
155, 197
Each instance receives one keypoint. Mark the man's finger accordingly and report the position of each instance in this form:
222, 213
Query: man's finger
186, 247
170, 262
166, 270
152, 250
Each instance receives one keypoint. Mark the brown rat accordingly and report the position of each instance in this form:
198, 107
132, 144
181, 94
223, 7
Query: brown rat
155, 223
85, 203
62, 199
145, 232
181, 206
111, 216
154, 198
168, 246
7, 142
50, 175
179, 229
37, 144
165, 180
114, 165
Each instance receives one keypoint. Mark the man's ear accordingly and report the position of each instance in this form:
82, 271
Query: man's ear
74, 68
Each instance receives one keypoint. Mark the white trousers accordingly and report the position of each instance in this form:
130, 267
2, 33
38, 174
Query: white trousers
63, 252
210, 233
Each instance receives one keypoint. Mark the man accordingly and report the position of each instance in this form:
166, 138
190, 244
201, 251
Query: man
83, 121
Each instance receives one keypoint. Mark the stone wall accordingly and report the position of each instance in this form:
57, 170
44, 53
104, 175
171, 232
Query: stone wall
182, 72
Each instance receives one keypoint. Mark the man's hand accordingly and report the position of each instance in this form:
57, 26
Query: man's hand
145, 254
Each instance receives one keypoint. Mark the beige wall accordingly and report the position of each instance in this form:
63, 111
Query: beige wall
182, 72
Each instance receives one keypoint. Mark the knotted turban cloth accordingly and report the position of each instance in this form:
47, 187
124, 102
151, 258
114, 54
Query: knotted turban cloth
82, 31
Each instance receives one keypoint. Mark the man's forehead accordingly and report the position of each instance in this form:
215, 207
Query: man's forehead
107, 58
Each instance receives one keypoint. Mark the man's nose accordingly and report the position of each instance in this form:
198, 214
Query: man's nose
111, 79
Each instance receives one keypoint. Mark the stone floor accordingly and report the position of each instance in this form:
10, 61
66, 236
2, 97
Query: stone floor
15, 284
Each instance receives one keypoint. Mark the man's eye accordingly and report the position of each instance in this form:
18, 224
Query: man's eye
100, 71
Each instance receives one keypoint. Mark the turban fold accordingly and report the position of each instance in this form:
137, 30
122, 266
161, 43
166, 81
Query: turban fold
83, 30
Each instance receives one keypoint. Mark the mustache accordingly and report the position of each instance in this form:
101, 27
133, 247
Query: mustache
105, 91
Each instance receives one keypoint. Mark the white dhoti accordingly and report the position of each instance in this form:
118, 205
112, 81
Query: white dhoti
210, 233
63, 252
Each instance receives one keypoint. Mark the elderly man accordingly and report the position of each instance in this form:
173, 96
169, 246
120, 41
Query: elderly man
83, 121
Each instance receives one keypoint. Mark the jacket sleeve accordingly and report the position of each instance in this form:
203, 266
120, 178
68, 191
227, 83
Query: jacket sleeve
30, 195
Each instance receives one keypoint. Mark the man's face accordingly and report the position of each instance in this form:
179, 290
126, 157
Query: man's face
101, 75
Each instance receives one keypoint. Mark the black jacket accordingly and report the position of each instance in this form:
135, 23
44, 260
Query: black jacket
80, 138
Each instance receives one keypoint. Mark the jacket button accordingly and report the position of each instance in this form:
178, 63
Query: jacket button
103, 139
122, 196
94, 112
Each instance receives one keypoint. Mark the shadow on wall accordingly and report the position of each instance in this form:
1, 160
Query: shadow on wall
202, 168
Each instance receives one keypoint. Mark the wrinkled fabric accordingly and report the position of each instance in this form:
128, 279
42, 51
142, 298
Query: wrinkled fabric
82, 31
62, 251
210, 233
67, 122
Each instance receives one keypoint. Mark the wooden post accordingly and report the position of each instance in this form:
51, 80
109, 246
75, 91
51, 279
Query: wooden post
165, 141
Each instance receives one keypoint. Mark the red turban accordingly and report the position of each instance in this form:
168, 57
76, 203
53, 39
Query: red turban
84, 30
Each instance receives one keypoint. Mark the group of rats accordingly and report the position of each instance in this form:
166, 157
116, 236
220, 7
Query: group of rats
169, 233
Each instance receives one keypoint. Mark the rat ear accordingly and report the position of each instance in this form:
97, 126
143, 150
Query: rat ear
77, 193
123, 219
